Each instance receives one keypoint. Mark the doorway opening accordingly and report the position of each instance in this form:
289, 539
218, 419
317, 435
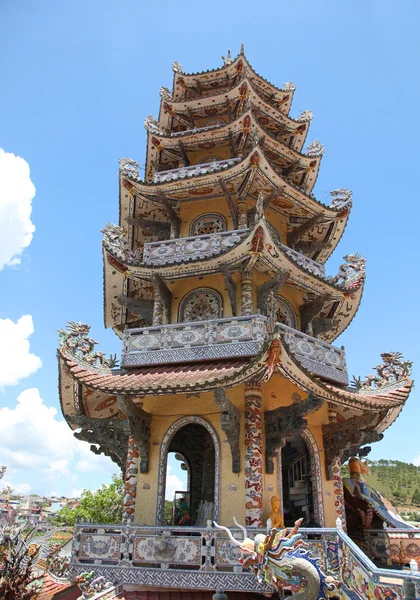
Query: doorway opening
196, 453
298, 499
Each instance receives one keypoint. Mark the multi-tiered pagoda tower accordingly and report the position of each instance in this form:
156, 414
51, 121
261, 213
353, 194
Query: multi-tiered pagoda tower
215, 280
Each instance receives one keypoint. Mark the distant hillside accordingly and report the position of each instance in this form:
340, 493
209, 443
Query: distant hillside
398, 481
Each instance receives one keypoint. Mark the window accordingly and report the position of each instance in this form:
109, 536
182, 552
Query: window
285, 312
202, 304
209, 223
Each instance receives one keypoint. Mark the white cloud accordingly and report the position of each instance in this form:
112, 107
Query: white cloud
33, 439
416, 461
15, 358
173, 484
18, 488
16, 194
76, 493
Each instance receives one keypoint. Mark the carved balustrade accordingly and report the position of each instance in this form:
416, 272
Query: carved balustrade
195, 130
178, 557
195, 341
194, 170
204, 558
315, 355
303, 261
190, 248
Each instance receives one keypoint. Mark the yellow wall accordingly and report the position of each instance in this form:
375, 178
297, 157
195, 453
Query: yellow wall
168, 409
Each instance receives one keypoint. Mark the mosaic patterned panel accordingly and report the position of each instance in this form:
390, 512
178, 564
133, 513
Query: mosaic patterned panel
200, 305
104, 547
194, 170
192, 248
171, 549
253, 455
215, 338
227, 553
317, 356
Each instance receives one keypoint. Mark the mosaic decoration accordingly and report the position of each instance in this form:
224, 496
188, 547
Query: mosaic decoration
282, 559
337, 479
130, 481
129, 167
187, 249
305, 116
75, 339
253, 455
167, 549
165, 93
200, 305
208, 223
289, 86
285, 313
393, 370
315, 355
176, 67
163, 458
315, 149
351, 274
115, 241
342, 198
104, 547
230, 423
152, 125
194, 170
247, 303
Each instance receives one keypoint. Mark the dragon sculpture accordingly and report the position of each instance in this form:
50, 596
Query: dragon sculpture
116, 242
281, 560
75, 339
392, 370
351, 274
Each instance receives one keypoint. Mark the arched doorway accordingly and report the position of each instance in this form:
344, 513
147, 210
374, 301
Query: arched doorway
300, 483
195, 440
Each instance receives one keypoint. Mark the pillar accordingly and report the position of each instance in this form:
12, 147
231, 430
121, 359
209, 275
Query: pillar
157, 309
337, 477
253, 455
242, 213
130, 481
247, 304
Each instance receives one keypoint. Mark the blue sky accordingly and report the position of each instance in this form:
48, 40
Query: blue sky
78, 79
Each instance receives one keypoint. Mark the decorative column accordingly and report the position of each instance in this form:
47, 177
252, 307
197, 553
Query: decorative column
337, 476
130, 480
242, 213
253, 454
157, 309
247, 304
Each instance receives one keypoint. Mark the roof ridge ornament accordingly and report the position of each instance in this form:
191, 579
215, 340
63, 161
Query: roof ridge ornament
129, 167
116, 242
165, 93
351, 274
289, 86
305, 116
393, 370
341, 198
75, 339
152, 125
315, 149
242, 51
177, 67
227, 60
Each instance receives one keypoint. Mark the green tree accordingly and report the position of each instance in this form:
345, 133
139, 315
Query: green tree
102, 506
416, 497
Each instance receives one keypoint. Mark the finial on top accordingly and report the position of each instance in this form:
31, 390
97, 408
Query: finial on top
176, 67
242, 49
227, 60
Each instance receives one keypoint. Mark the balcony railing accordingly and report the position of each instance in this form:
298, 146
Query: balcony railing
193, 170
195, 130
303, 261
204, 558
226, 338
191, 248
315, 355
195, 341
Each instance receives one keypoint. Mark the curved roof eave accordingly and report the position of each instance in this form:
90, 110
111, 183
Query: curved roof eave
231, 68
389, 397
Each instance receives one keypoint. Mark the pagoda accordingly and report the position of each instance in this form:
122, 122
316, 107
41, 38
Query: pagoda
215, 281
